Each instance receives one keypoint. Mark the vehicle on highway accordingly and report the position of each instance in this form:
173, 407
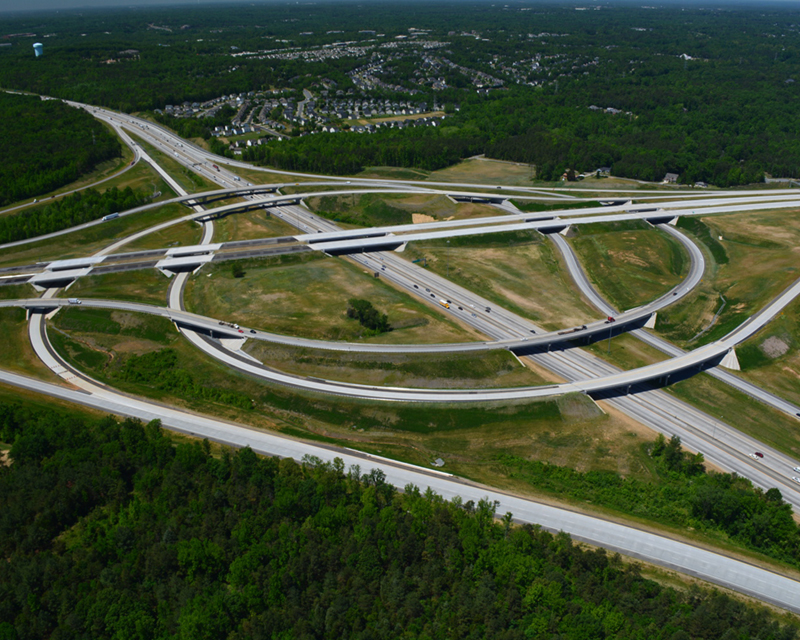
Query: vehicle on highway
215, 166
444, 304
796, 479
111, 216
756, 455
488, 309
796, 469
252, 330
461, 308
221, 322
236, 326
610, 319
416, 287
74, 301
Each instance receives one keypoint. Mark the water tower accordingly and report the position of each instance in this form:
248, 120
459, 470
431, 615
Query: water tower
38, 47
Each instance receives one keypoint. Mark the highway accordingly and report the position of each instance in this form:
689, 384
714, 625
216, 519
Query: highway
582, 372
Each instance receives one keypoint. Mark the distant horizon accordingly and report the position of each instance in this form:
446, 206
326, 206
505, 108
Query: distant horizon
38, 6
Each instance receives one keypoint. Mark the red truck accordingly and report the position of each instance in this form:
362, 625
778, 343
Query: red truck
215, 166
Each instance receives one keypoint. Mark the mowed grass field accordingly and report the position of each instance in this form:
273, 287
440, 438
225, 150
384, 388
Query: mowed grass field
751, 258
490, 369
144, 285
375, 209
630, 263
184, 233
249, 225
519, 271
307, 296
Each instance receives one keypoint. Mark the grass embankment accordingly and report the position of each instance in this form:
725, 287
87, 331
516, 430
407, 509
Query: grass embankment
374, 210
533, 207
427, 371
306, 295
16, 353
88, 241
752, 258
249, 225
519, 271
772, 357
630, 263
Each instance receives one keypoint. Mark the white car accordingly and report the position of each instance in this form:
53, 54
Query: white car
756, 455
796, 469
796, 479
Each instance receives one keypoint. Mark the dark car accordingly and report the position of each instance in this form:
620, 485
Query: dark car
252, 330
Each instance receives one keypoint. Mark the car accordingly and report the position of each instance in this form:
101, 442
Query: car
674, 293
221, 322
433, 295
488, 309
449, 302
461, 308
756, 455
610, 320
796, 469
416, 287
252, 330
796, 479
428, 290
474, 315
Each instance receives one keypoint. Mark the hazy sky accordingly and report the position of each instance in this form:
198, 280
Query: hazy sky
37, 5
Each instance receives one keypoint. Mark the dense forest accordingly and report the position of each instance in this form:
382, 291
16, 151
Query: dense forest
45, 144
111, 530
706, 93
72, 210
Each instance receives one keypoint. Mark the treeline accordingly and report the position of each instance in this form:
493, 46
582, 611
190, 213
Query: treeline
109, 529
45, 144
77, 208
348, 153
685, 496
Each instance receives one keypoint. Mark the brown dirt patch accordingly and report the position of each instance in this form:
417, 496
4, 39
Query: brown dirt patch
774, 347
419, 218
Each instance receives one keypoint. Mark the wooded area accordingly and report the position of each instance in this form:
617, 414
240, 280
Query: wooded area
77, 208
110, 529
45, 144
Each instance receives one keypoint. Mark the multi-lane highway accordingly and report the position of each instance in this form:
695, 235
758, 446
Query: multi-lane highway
582, 372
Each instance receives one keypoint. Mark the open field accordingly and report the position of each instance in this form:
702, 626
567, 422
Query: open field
145, 285
266, 176
379, 209
307, 296
426, 371
519, 271
751, 258
88, 241
250, 224
630, 263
